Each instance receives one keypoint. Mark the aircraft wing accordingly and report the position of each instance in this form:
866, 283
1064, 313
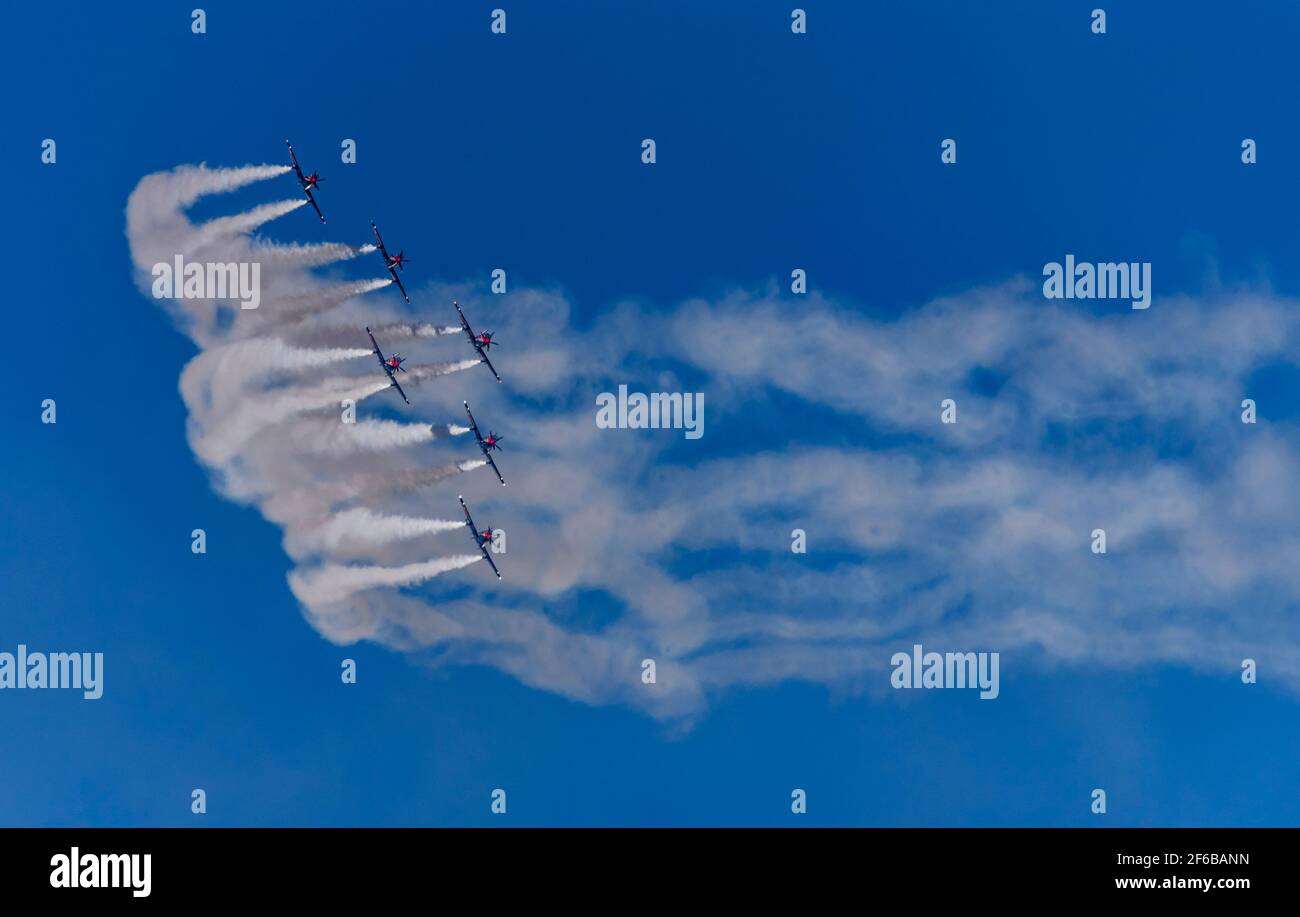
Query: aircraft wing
297, 168
375, 344
378, 238
488, 362
398, 280
488, 557
399, 388
472, 425
463, 322
314, 205
469, 520
488, 455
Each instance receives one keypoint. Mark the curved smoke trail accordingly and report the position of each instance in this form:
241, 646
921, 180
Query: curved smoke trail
261, 418
266, 410
221, 228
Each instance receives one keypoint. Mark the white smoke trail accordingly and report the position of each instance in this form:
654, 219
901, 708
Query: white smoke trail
295, 308
256, 357
404, 480
471, 464
216, 230
441, 431
416, 329
334, 438
168, 191
154, 217
252, 426
296, 255
428, 330
361, 526
338, 336
332, 583
432, 370
263, 410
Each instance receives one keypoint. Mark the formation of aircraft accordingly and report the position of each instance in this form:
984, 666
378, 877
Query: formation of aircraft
394, 263
483, 538
308, 182
481, 342
392, 365
487, 443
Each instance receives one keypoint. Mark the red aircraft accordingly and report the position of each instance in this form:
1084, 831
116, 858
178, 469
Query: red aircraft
483, 538
392, 365
394, 263
486, 443
481, 342
308, 182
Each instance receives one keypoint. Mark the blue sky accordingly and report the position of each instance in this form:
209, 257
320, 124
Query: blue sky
774, 151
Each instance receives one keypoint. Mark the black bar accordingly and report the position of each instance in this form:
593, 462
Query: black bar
331, 866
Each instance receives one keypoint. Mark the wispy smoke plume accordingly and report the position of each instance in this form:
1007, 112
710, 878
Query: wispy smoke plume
166, 192
295, 255
256, 357
362, 526
334, 438
214, 231
262, 412
262, 417
405, 480
334, 583
301, 305
433, 370
341, 336
967, 535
